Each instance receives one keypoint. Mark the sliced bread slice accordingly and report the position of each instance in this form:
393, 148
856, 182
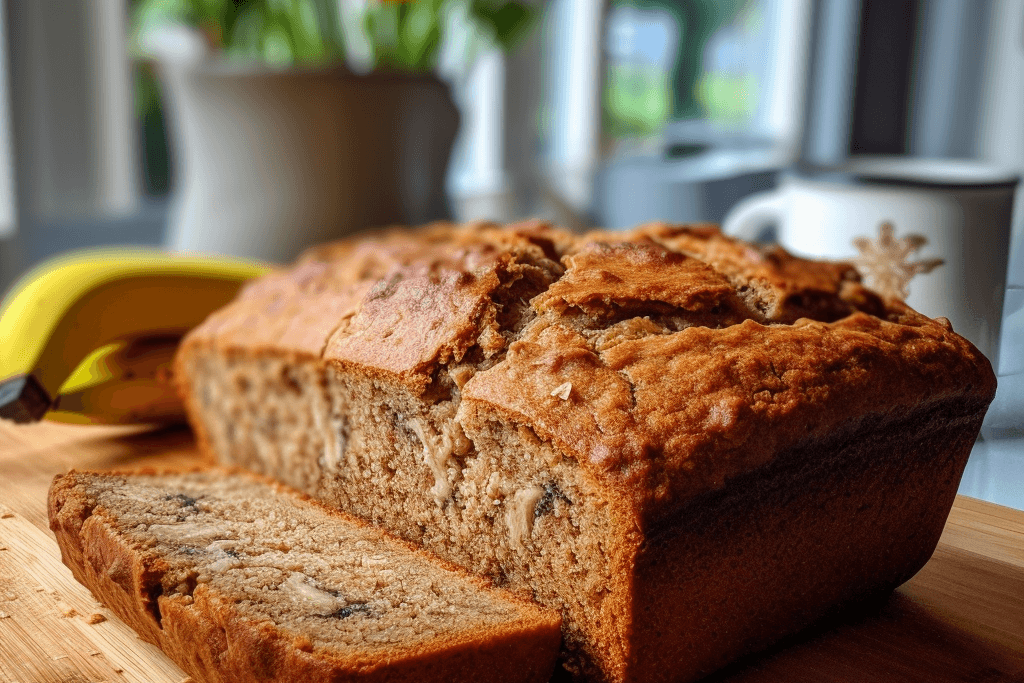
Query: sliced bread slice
241, 579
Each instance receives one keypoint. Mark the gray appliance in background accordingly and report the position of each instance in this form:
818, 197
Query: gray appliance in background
690, 182
895, 77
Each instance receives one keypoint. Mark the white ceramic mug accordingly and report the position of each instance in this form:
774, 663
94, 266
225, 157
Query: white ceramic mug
962, 209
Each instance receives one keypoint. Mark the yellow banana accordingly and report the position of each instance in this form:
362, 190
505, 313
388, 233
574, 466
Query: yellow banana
124, 382
71, 306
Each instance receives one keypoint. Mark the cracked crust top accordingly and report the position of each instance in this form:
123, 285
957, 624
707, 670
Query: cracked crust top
665, 359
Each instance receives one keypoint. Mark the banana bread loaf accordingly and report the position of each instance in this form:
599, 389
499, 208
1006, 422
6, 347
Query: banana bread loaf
689, 445
238, 580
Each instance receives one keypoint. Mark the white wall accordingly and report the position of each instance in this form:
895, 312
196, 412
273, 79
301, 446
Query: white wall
1000, 137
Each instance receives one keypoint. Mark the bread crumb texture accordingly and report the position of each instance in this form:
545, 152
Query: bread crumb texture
285, 565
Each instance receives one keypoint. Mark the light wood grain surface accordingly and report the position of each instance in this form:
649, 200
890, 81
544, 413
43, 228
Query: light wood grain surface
961, 619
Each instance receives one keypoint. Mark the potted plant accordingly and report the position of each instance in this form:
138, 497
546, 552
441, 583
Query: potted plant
283, 137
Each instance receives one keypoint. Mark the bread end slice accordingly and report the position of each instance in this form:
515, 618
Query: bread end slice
240, 579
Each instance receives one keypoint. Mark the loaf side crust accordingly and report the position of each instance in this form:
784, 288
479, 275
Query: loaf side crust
834, 524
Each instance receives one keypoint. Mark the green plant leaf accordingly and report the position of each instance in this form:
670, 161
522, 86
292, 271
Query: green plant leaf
277, 45
507, 22
149, 14
305, 31
403, 35
420, 35
276, 7
381, 25
247, 34
331, 35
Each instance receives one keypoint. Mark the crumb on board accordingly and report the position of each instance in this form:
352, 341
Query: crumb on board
6, 515
95, 618
4, 615
563, 391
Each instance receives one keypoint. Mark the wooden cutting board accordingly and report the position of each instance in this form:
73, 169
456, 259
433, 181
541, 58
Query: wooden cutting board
960, 619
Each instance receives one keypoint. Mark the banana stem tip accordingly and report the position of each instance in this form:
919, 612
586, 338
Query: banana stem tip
23, 399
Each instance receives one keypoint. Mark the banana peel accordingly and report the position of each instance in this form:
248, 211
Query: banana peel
125, 382
89, 336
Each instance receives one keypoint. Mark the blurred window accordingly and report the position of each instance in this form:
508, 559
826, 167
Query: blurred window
72, 150
701, 69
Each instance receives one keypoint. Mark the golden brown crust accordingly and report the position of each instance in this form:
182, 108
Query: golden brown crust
668, 417
601, 280
213, 642
686, 357
789, 286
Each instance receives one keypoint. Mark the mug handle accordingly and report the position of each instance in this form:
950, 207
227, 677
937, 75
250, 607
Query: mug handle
749, 216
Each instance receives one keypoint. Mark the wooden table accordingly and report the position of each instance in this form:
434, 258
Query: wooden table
960, 619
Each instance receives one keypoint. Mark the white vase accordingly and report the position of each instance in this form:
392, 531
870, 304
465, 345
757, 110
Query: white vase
268, 163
